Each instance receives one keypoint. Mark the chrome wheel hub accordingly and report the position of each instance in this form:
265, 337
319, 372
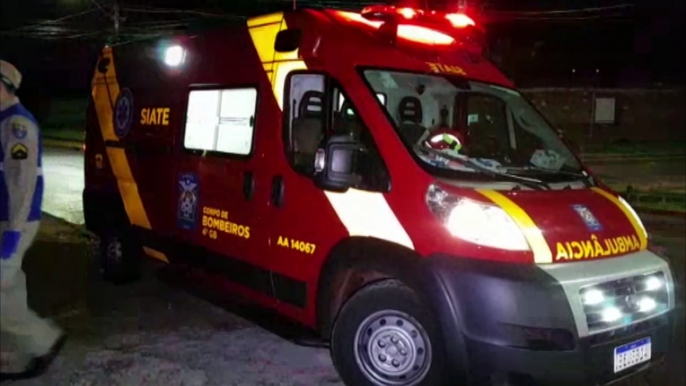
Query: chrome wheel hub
392, 349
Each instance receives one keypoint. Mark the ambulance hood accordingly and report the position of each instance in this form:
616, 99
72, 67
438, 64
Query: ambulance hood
571, 225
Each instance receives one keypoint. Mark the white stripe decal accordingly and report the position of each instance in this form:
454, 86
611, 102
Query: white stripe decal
368, 214
365, 214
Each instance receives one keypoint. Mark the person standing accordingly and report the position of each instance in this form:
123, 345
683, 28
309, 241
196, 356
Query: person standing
28, 343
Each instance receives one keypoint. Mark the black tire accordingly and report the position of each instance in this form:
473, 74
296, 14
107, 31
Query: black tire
123, 267
389, 302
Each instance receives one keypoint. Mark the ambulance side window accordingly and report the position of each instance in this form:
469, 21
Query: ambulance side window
306, 116
369, 166
317, 108
221, 121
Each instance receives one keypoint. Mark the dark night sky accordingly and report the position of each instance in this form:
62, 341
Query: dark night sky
644, 45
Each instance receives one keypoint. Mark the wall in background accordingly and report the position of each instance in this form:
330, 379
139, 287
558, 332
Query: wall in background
640, 114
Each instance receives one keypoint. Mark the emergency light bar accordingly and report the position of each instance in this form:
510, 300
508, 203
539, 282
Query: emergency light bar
427, 27
385, 13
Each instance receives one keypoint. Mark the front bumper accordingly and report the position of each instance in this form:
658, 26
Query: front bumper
515, 323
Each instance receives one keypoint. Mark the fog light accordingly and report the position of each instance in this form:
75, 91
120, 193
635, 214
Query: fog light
653, 283
593, 297
611, 314
647, 304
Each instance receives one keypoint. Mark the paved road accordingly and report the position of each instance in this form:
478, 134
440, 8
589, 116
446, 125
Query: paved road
63, 170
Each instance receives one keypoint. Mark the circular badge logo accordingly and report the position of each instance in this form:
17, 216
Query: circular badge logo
123, 113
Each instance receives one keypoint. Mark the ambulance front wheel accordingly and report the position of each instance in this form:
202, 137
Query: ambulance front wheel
384, 336
120, 257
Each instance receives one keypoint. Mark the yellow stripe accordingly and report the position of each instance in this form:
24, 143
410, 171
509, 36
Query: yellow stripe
156, 254
117, 157
128, 189
103, 107
533, 235
277, 65
278, 78
272, 18
630, 216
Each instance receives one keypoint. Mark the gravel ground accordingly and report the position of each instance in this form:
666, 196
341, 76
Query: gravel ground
155, 332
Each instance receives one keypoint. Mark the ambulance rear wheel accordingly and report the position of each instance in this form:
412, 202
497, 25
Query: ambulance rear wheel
384, 336
120, 257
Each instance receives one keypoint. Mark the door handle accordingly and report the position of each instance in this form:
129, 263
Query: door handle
277, 191
248, 185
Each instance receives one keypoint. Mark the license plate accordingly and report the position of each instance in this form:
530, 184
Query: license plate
632, 354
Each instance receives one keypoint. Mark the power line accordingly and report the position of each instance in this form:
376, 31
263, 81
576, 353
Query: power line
565, 11
72, 34
55, 21
577, 18
95, 2
174, 11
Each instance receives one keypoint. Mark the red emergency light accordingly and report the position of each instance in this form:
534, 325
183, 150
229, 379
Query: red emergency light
386, 13
429, 27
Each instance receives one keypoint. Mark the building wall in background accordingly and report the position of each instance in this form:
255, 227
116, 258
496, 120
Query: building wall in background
640, 114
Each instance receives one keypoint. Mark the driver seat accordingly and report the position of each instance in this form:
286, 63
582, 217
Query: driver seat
308, 128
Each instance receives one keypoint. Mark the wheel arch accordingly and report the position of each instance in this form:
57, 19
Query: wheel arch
359, 261
103, 210
354, 263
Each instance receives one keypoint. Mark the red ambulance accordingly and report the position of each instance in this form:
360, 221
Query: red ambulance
371, 176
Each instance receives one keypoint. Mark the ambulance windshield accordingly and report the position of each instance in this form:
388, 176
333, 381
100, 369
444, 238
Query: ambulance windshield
466, 126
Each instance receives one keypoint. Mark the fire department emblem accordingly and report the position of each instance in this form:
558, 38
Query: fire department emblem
123, 113
188, 201
591, 222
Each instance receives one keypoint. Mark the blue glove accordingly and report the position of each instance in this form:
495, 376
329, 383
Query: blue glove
10, 242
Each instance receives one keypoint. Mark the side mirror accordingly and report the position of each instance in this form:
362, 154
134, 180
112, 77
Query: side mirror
335, 164
287, 40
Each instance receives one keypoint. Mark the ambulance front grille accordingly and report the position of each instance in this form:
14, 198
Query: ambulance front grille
619, 303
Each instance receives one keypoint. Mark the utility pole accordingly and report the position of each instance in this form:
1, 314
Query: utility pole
116, 18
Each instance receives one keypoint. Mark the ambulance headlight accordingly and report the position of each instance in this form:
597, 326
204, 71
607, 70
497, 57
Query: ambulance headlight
479, 223
174, 56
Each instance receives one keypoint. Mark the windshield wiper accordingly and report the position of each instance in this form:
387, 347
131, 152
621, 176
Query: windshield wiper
576, 175
532, 183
